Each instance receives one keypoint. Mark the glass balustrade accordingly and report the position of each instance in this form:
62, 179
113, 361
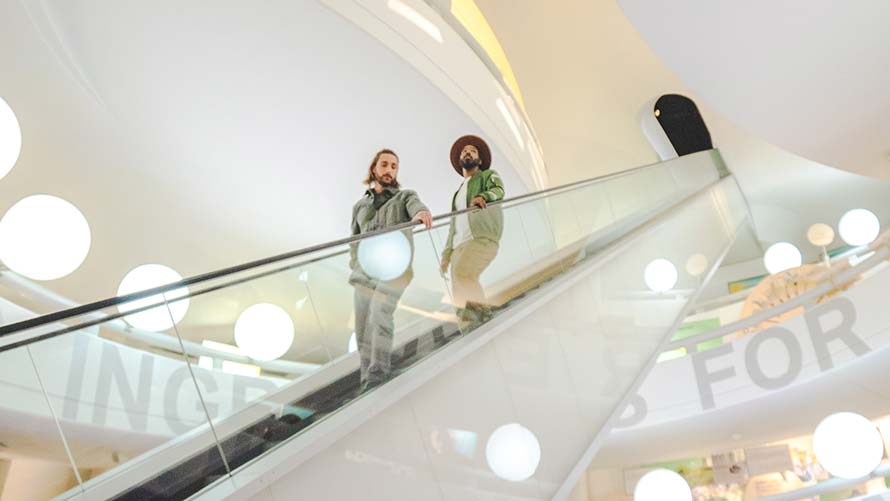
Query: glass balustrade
163, 392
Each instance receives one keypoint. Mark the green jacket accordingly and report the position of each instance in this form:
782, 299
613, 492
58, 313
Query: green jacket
486, 223
376, 211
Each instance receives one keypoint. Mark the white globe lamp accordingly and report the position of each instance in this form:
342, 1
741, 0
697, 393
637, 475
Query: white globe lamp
513, 452
782, 256
660, 275
859, 227
44, 237
662, 485
10, 139
264, 331
157, 318
386, 256
848, 445
820, 235
697, 264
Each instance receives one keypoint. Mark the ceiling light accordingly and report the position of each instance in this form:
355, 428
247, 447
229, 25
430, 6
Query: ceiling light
10, 139
848, 445
416, 18
820, 235
44, 237
660, 275
148, 276
696, 264
513, 452
264, 331
662, 485
859, 227
781, 256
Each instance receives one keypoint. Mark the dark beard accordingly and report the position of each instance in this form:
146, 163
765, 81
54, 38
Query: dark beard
385, 184
469, 164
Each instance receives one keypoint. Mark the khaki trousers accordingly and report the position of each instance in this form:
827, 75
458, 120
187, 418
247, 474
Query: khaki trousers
468, 261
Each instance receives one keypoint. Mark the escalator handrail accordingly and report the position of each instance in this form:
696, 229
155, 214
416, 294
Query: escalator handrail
833, 281
49, 318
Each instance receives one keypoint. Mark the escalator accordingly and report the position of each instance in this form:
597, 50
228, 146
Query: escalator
587, 286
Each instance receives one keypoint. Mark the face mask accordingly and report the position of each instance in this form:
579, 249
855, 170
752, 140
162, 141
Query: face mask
468, 163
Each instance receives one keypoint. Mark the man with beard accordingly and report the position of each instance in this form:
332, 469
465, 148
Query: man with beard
383, 205
474, 237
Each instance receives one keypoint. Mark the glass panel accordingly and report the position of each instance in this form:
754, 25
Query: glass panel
126, 401
624, 309
15, 305
564, 219
256, 338
267, 352
314, 314
34, 463
533, 219
661, 187
784, 376
487, 273
628, 194
592, 208
576, 353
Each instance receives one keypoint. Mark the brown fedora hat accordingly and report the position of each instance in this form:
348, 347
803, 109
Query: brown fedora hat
479, 143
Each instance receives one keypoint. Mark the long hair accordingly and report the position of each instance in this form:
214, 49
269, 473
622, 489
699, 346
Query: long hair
370, 178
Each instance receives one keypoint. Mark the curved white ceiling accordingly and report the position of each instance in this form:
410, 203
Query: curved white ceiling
809, 77
200, 137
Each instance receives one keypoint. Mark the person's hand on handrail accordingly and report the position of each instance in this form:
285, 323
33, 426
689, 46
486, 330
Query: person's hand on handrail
425, 217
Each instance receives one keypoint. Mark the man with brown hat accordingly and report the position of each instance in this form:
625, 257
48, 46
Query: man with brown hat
473, 237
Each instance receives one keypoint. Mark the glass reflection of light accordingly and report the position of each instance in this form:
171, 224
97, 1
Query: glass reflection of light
463, 442
385, 257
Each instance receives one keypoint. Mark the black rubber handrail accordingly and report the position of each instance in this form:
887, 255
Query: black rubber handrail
10, 329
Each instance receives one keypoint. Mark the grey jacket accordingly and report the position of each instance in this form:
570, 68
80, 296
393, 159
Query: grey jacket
393, 207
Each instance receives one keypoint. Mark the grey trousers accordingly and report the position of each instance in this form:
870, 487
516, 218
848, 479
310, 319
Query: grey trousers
375, 303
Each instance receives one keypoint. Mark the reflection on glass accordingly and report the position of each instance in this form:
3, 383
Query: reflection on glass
120, 401
34, 463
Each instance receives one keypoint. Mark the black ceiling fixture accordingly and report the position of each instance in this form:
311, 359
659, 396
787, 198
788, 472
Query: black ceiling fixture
683, 124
